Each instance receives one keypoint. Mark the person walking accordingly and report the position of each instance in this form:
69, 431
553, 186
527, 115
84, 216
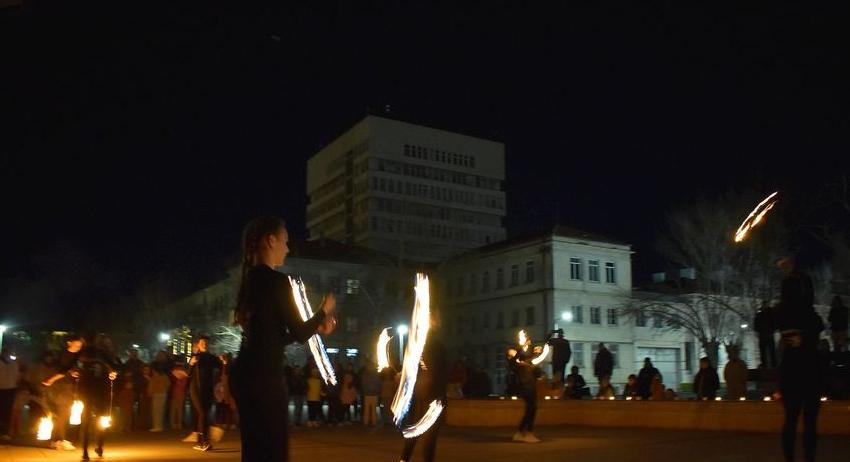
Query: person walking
202, 367
603, 365
800, 373
270, 319
706, 382
838, 322
645, 377
735, 375
561, 354
765, 325
371, 383
97, 374
60, 391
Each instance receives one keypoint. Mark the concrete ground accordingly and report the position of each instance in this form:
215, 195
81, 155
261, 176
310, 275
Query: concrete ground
355, 444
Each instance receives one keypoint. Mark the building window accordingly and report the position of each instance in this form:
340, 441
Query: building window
352, 286
351, 324
529, 316
640, 319
578, 314
578, 355
593, 270
529, 272
657, 321
500, 320
595, 315
689, 356
612, 316
514, 275
500, 279
485, 282
515, 318
610, 273
575, 269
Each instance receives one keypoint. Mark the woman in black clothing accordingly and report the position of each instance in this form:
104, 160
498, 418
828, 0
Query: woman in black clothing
270, 320
96, 374
202, 367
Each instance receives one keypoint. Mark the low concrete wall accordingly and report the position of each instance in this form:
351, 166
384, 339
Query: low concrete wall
750, 416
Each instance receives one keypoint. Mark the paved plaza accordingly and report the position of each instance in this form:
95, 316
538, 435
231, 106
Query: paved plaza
355, 444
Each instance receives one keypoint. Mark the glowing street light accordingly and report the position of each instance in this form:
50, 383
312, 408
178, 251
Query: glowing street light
567, 316
744, 326
164, 337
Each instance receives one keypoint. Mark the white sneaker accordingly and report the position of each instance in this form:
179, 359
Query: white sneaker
192, 438
530, 438
66, 445
519, 436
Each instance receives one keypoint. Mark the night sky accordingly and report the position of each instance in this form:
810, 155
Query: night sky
142, 135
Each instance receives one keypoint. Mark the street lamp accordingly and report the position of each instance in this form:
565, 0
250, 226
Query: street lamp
163, 337
567, 316
402, 331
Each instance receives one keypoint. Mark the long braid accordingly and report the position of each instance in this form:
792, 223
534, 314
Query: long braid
253, 233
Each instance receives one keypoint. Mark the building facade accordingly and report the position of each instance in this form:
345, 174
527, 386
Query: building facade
564, 279
418, 193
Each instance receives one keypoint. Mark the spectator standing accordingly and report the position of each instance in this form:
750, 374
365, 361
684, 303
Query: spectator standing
177, 401
202, 367
347, 394
645, 377
765, 325
561, 354
735, 375
371, 383
298, 392
706, 382
314, 397
158, 385
603, 365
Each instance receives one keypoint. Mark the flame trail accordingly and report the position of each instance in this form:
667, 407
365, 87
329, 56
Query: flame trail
756, 216
299, 293
45, 428
524, 341
105, 422
382, 355
427, 420
419, 325
76, 412
522, 337
542, 356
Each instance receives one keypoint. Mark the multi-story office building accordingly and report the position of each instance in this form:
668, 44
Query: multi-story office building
418, 193
561, 279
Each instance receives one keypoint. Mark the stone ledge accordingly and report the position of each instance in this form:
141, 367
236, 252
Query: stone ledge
750, 416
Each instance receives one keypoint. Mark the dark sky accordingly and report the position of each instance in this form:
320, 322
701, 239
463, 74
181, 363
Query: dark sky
144, 134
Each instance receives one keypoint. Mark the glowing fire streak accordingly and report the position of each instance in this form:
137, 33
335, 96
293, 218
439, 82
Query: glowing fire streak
382, 355
45, 428
522, 337
755, 217
76, 412
427, 420
105, 422
542, 356
419, 326
299, 293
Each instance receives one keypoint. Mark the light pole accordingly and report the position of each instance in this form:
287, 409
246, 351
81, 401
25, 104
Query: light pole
402, 330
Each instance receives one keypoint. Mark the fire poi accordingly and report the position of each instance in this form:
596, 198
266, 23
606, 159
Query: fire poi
381, 353
76, 412
45, 428
756, 216
525, 342
420, 324
317, 348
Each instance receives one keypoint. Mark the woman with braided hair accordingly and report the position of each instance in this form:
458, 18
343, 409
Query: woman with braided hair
269, 317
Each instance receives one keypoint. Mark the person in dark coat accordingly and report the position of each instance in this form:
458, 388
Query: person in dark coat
268, 313
561, 354
576, 386
519, 361
765, 325
432, 381
97, 374
603, 365
800, 372
645, 376
838, 322
202, 367
706, 382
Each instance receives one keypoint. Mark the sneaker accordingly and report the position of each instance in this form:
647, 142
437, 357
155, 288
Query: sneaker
192, 438
519, 436
204, 447
530, 438
66, 445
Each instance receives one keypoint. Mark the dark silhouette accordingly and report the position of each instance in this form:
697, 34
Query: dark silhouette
800, 373
838, 324
706, 382
645, 376
765, 325
431, 384
561, 354
270, 320
603, 365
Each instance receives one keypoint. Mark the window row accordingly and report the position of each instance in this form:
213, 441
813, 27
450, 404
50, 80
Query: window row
437, 155
576, 315
577, 271
470, 284
471, 323
578, 359
435, 174
433, 230
436, 193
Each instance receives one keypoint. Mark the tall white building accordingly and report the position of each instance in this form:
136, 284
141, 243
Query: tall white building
418, 193
560, 279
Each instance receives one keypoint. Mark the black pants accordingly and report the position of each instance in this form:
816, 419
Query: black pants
767, 350
7, 399
429, 438
261, 398
314, 411
559, 371
93, 410
527, 422
201, 403
809, 404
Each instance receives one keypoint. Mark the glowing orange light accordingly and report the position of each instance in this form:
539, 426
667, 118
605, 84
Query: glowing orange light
755, 217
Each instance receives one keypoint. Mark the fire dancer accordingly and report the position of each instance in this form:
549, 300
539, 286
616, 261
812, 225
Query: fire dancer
202, 368
60, 395
95, 388
519, 360
267, 311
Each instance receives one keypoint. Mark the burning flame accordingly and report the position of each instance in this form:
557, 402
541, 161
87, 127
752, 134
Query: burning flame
45, 428
542, 356
105, 422
522, 337
76, 412
427, 420
525, 341
299, 293
756, 216
383, 357
419, 326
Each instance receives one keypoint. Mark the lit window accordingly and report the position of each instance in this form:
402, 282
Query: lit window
352, 286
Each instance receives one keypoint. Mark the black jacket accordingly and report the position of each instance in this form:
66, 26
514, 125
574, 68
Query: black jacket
433, 376
561, 351
706, 383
